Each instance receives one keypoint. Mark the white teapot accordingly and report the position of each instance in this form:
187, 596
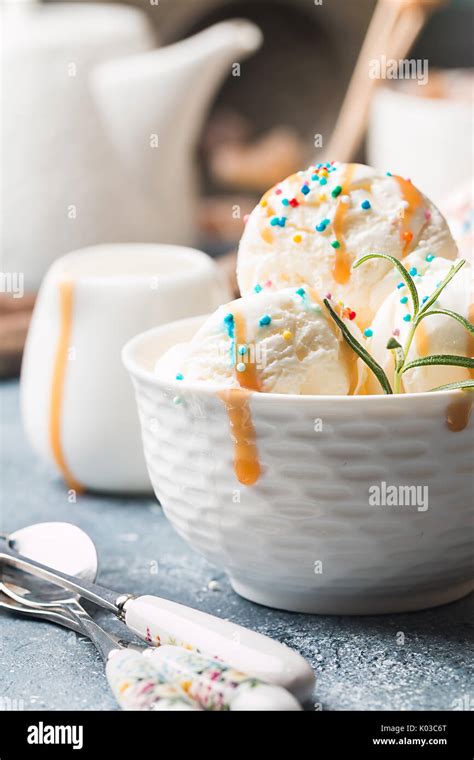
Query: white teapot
99, 128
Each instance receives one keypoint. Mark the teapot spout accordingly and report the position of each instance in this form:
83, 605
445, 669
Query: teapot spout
153, 105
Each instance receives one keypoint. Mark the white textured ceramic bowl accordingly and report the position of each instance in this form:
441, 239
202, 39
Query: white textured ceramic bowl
307, 536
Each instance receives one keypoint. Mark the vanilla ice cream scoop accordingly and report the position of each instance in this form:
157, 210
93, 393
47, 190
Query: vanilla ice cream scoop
272, 341
312, 226
436, 334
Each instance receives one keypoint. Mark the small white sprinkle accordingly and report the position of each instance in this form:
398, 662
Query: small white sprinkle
213, 586
241, 367
404, 204
177, 400
345, 199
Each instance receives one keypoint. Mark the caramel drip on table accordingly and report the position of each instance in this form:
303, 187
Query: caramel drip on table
237, 402
415, 200
66, 306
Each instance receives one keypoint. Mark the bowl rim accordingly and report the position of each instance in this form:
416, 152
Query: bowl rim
208, 389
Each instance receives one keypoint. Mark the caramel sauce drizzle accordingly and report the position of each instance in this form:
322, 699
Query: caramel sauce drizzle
341, 270
237, 403
415, 200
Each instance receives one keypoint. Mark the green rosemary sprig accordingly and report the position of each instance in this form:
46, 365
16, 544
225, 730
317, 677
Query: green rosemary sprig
420, 312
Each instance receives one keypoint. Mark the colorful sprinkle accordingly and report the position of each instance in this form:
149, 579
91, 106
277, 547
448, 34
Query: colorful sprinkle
427, 215
404, 299
400, 285
265, 320
301, 292
323, 197
294, 203
413, 271
297, 238
407, 236
305, 189
241, 367
245, 218
407, 318
242, 350
368, 332
179, 376
396, 332
337, 191
257, 288
425, 298
286, 202
335, 244
278, 191
430, 257
287, 335
365, 205
263, 203
323, 181
177, 400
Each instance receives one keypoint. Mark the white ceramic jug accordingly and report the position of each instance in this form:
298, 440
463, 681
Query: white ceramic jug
99, 128
77, 402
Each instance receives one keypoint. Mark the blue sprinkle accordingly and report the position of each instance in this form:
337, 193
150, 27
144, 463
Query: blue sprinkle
389, 174
326, 222
365, 205
430, 257
282, 221
400, 285
320, 227
407, 318
404, 299
286, 202
179, 376
265, 320
301, 292
323, 181
425, 299
413, 271
315, 177
258, 288
274, 221
229, 323
305, 189
368, 332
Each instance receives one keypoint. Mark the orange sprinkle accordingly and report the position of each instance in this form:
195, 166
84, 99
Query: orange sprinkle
407, 236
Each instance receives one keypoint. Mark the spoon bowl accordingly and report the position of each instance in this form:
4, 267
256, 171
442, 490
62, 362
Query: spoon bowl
63, 547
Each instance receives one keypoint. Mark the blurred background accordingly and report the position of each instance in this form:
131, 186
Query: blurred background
110, 134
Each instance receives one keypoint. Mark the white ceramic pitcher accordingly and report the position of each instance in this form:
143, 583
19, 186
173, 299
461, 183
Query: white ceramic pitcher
99, 128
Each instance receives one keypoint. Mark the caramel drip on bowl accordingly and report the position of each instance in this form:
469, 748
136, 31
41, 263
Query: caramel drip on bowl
458, 412
246, 463
237, 403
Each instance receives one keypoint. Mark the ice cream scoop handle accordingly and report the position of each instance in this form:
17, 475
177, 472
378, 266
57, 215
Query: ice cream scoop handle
160, 621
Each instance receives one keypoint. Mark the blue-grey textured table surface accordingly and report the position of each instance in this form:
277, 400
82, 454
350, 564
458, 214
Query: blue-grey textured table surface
358, 662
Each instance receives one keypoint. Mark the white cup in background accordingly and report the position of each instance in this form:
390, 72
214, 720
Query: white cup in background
77, 402
425, 132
